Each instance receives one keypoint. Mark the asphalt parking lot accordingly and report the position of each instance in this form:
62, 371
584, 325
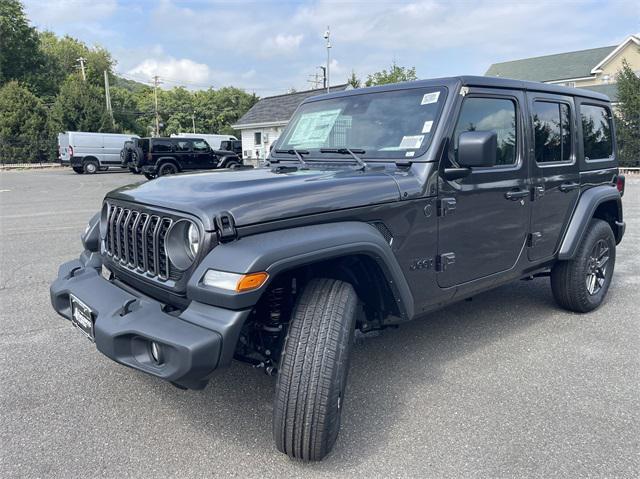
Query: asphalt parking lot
506, 385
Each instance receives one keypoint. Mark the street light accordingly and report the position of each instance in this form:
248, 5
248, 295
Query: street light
327, 34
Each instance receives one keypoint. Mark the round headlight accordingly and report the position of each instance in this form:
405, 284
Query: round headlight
193, 240
104, 220
183, 243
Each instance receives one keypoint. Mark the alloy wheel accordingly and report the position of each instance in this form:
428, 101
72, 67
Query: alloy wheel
597, 267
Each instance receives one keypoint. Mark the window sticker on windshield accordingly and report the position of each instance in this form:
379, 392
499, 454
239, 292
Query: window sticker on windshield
429, 98
426, 128
410, 153
411, 142
313, 129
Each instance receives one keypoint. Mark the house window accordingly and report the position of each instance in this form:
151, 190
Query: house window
552, 131
257, 138
596, 132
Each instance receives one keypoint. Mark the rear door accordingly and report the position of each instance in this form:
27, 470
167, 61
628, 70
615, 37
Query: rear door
184, 153
555, 172
484, 218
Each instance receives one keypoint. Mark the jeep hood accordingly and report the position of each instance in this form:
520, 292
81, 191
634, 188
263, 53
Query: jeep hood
262, 195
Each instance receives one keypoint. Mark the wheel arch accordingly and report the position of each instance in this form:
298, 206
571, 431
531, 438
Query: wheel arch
601, 202
352, 251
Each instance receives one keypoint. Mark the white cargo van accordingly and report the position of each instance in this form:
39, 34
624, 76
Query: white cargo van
213, 140
88, 152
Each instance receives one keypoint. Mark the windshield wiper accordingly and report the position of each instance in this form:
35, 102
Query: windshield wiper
298, 154
346, 151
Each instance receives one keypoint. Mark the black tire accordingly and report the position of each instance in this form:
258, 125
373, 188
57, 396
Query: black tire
313, 370
90, 167
593, 264
149, 176
167, 169
78, 169
232, 164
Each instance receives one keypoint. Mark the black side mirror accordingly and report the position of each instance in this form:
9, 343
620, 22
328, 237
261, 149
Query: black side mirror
477, 149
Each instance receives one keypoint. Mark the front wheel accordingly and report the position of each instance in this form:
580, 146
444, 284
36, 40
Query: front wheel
313, 370
78, 169
581, 283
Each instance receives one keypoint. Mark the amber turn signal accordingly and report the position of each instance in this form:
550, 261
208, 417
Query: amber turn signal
251, 281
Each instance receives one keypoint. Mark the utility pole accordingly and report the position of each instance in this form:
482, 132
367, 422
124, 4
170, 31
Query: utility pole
324, 76
193, 120
107, 94
314, 80
82, 60
327, 36
156, 82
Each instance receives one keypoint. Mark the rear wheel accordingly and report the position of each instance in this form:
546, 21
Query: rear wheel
232, 164
167, 169
313, 370
91, 166
78, 169
581, 283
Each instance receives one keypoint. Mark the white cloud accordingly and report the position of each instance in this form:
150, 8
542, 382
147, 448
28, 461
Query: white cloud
47, 13
174, 71
285, 43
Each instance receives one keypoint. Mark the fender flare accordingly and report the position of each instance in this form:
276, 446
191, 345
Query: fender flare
226, 159
588, 202
282, 250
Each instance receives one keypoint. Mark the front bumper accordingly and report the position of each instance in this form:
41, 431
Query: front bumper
194, 342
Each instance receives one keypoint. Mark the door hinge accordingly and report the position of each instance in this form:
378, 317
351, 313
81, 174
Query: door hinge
446, 206
226, 227
534, 238
445, 260
538, 192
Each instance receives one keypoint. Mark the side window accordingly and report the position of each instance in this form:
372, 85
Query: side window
551, 131
596, 132
161, 147
182, 145
491, 114
200, 145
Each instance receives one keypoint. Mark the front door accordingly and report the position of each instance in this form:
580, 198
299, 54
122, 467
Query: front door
203, 156
554, 171
184, 153
484, 217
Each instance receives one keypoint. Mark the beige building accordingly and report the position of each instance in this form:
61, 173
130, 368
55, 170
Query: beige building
593, 69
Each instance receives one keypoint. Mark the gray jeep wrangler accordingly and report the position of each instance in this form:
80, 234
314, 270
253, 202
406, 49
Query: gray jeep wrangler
379, 206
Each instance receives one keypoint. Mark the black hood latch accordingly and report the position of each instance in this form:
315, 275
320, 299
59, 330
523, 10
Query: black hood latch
226, 227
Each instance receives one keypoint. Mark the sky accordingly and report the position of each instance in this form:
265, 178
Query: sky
270, 46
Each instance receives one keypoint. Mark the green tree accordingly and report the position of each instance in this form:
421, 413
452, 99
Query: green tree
354, 81
20, 58
24, 132
628, 116
80, 106
395, 74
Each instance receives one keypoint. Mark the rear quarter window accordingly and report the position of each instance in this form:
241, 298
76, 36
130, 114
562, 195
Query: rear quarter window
597, 132
161, 146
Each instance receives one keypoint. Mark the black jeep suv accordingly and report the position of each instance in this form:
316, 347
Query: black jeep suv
166, 156
380, 205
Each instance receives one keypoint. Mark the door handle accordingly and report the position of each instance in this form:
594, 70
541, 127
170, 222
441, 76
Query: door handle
515, 195
568, 186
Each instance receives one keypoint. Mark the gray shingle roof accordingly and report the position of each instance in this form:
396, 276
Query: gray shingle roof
279, 108
609, 89
560, 66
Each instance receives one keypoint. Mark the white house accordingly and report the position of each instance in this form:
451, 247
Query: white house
265, 121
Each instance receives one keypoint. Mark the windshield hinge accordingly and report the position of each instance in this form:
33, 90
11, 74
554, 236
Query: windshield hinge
226, 227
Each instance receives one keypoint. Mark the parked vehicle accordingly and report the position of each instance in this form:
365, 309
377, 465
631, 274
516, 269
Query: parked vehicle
88, 152
126, 157
381, 205
214, 141
232, 145
166, 156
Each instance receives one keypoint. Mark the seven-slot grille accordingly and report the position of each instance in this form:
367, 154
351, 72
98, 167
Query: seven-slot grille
136, 239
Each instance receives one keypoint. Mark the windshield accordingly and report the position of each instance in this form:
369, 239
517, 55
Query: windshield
389, 124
